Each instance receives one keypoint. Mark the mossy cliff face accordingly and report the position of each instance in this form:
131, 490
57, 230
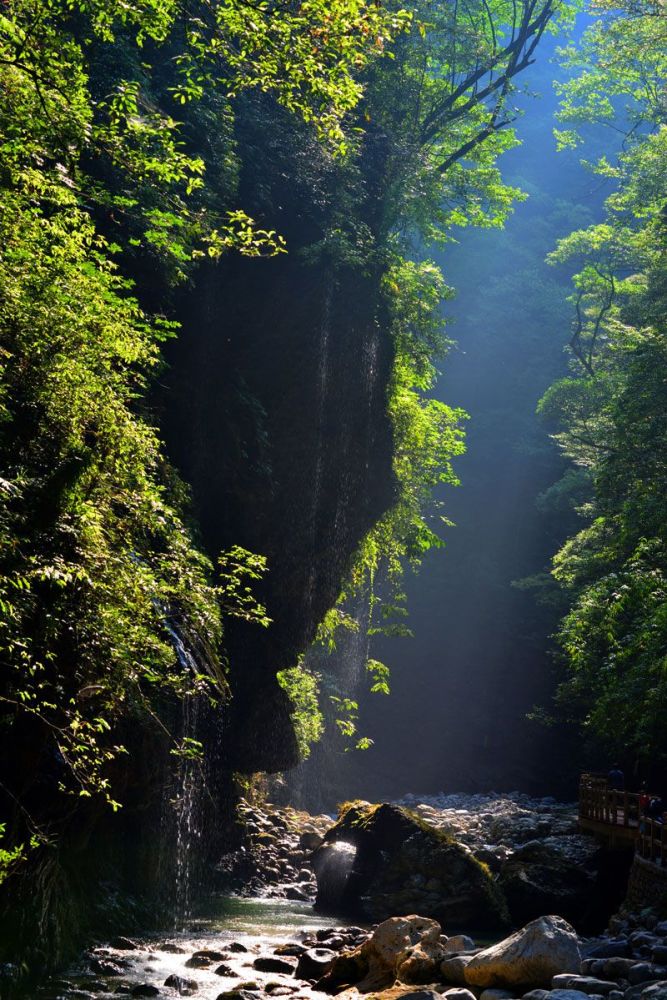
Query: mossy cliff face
275, 413
403, 865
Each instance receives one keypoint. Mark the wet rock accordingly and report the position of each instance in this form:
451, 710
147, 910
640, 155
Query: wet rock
296, 893
237, 994
458, 993
145, 990
531, 956
290, 948
106, 967
314, 963
184, 987
226, 970
238, 948
205, 957
536, 995
171, 948
124, 944
267, 963
496, 994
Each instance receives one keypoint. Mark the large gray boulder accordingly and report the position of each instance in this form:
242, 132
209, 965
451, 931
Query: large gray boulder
530, 957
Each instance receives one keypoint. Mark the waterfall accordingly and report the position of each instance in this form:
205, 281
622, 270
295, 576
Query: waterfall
188, 819
183, 807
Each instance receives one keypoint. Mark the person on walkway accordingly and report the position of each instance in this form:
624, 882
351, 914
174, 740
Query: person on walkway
656, 809
616, 779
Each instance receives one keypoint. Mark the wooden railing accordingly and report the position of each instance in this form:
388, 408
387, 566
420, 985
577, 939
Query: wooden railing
621, 812
601, 804
652, 841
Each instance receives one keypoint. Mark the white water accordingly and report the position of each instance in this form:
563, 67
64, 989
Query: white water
258, 924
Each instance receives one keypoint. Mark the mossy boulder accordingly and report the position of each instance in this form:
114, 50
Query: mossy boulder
400, 864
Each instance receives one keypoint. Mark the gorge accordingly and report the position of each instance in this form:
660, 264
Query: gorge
228, 235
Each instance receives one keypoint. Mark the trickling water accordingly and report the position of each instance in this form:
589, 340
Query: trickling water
334, 865
183, 823
187, 805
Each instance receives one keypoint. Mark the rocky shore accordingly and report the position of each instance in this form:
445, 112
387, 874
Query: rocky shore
454, 855
403, 958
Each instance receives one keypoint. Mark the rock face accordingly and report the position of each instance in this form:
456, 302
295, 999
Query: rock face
402, 865
284, 439
530, 957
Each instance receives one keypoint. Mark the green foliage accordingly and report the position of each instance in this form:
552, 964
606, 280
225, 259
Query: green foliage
611, 412
239, 570
97, 565
301, 685
93, 94
117, 156
428, 435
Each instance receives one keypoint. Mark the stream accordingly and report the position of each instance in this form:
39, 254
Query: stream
214, 954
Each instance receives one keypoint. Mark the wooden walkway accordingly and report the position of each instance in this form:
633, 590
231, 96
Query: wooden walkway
616, 816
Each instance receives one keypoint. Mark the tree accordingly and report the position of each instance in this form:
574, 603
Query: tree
611, 410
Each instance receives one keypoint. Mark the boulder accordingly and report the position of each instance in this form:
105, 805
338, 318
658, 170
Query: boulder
226, 971
238, 994
568, 995
539, 879
585, 984
202, 959
645, 972
458, 993
496, 994
610, 948
531, 956
392, 858
268, 963
310, 839
459, 942
657, 991
407, 949
314, 963
290, 948
453, 970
